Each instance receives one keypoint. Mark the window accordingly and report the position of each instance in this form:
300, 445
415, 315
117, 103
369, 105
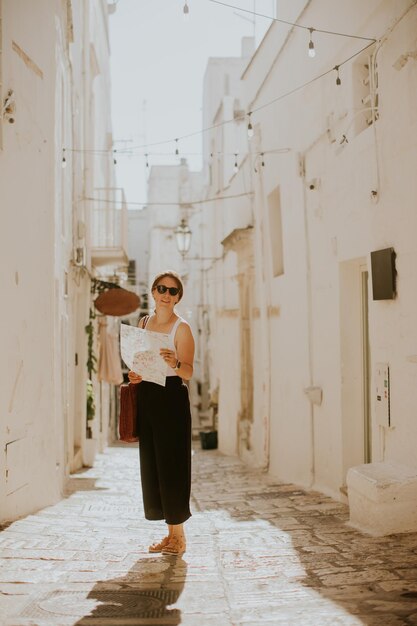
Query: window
275, 230
131, 271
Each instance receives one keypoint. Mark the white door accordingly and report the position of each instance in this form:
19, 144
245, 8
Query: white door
366, 367
355, 364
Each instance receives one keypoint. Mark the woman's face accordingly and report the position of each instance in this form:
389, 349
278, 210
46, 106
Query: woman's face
166, 300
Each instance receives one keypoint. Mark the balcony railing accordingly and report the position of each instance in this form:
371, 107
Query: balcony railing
108, 234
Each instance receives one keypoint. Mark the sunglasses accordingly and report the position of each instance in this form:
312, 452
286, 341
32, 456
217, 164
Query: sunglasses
173, 291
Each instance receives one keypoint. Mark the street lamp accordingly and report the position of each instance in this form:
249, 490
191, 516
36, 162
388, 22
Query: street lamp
183, 237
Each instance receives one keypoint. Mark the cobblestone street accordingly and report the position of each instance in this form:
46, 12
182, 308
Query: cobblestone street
258, 553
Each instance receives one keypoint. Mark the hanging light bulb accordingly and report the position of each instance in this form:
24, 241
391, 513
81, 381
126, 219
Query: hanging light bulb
262, 159
146, 162
250, 127
186, 10
235, 167
64, 161
114, 157
311, 48
338, 81
176, 147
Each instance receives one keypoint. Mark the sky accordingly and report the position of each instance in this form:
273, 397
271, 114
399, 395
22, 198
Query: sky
158, 60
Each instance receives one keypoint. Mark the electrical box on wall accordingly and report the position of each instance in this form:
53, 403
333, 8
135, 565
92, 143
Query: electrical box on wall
383, 274
382, 385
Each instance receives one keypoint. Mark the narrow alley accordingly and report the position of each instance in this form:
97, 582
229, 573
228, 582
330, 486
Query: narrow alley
258, 552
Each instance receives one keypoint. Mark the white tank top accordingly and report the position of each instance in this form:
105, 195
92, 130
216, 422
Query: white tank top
171, 341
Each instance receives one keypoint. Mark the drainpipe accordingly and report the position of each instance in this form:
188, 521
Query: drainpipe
86, 188
302, 173
264, 296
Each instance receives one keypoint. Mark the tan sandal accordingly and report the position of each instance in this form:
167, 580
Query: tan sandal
158, 547
175, 546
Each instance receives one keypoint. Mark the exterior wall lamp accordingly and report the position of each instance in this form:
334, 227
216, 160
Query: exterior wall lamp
183, 237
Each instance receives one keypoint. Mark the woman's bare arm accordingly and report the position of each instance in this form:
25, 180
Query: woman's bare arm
184, 344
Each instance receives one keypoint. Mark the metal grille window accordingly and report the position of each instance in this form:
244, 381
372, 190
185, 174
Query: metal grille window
131, 272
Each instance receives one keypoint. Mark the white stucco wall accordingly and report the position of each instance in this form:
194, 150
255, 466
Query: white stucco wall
42, 365
32, 445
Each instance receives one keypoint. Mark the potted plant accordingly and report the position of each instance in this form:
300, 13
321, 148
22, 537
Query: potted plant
208, 437
90, 443
91, 408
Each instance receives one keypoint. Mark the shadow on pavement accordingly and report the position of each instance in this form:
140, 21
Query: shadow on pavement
153, 584
76, 483
312, 558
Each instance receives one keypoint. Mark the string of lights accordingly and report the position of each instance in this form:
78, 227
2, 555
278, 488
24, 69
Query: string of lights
166, 155
242, 116
294, 24
180, 203
138, 149
311, 53
336, 69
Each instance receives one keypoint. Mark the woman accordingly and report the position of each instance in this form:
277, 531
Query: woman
164, 420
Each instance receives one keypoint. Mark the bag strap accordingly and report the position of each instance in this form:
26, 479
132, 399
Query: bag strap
144, 320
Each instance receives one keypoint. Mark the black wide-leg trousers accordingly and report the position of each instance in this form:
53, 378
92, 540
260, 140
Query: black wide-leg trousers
164, 430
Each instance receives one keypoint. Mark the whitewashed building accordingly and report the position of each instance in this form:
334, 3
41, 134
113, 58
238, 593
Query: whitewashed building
227, 220
54, 92
138, 250
316, 374
171, 191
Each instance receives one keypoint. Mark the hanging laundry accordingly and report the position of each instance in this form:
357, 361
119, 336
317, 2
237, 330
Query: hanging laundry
109, 363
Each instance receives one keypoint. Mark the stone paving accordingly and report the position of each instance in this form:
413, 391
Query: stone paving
258, 553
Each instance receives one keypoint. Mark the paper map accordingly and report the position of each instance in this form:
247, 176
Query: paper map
140, 351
